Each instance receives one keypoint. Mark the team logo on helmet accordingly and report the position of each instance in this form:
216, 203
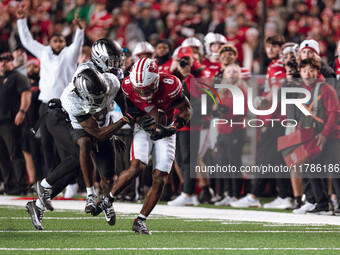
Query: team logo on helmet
144, 78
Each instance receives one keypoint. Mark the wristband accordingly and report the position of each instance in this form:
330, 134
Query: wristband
126, 118
22, 111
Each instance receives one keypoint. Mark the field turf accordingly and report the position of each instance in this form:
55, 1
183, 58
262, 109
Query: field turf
74, 232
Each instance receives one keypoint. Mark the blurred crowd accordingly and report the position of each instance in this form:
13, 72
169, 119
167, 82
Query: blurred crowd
160, 29
129, 22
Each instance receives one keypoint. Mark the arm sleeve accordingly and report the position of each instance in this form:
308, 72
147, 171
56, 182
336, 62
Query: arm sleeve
332, 107
74, 49
121, 102
27, 40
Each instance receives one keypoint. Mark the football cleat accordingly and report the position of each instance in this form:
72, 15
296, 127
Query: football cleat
106, 206
91, 204
44, 195
139, 226
36, 214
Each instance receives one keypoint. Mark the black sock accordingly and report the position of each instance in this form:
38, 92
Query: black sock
112, 198
298, 200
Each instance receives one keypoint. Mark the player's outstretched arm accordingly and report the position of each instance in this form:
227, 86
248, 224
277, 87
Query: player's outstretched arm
103, 133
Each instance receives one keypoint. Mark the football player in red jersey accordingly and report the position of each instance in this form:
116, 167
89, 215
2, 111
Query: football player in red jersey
145, 89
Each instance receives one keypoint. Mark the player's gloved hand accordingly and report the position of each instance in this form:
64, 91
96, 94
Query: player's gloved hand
163, 132
119, 144
54, 103
146, 121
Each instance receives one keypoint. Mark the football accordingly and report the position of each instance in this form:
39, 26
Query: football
159, 116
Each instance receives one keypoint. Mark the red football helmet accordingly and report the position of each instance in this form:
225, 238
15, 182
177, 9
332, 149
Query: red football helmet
144, 78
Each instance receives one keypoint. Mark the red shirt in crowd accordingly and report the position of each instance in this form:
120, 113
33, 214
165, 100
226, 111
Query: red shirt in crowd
276, 75
227, 100
337, 68
165, 68
209, 68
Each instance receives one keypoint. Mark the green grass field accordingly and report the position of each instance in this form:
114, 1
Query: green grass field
72, 232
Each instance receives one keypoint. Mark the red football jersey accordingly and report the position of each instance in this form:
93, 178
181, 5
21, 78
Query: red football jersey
165, 68
210, 69
169, 89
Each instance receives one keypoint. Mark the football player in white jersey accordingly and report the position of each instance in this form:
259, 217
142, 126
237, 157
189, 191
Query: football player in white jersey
88, 100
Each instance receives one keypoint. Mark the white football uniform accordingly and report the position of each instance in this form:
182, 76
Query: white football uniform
76, 106
163, 150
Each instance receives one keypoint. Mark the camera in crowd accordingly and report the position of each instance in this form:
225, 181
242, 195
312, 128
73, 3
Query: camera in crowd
292, 64
183, 62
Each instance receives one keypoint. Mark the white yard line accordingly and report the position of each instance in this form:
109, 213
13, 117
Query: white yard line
168, 249
194, 212
172, 231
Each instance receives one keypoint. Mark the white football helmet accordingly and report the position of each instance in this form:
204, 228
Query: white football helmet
213, 38
142, 47
144, 78
108, 56
193, 42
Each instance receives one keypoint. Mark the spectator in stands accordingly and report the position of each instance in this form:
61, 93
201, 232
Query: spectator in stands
196, 46
228, 56
58, 64
309, 48
126, 32
267, 153
231, 138
250, 47
147, 23
292, 33
163, 52
32, 141
20, 65
20, 60
212, 44
15, 99
143, 50
186, 149
82, 10
325, 123
289, 54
